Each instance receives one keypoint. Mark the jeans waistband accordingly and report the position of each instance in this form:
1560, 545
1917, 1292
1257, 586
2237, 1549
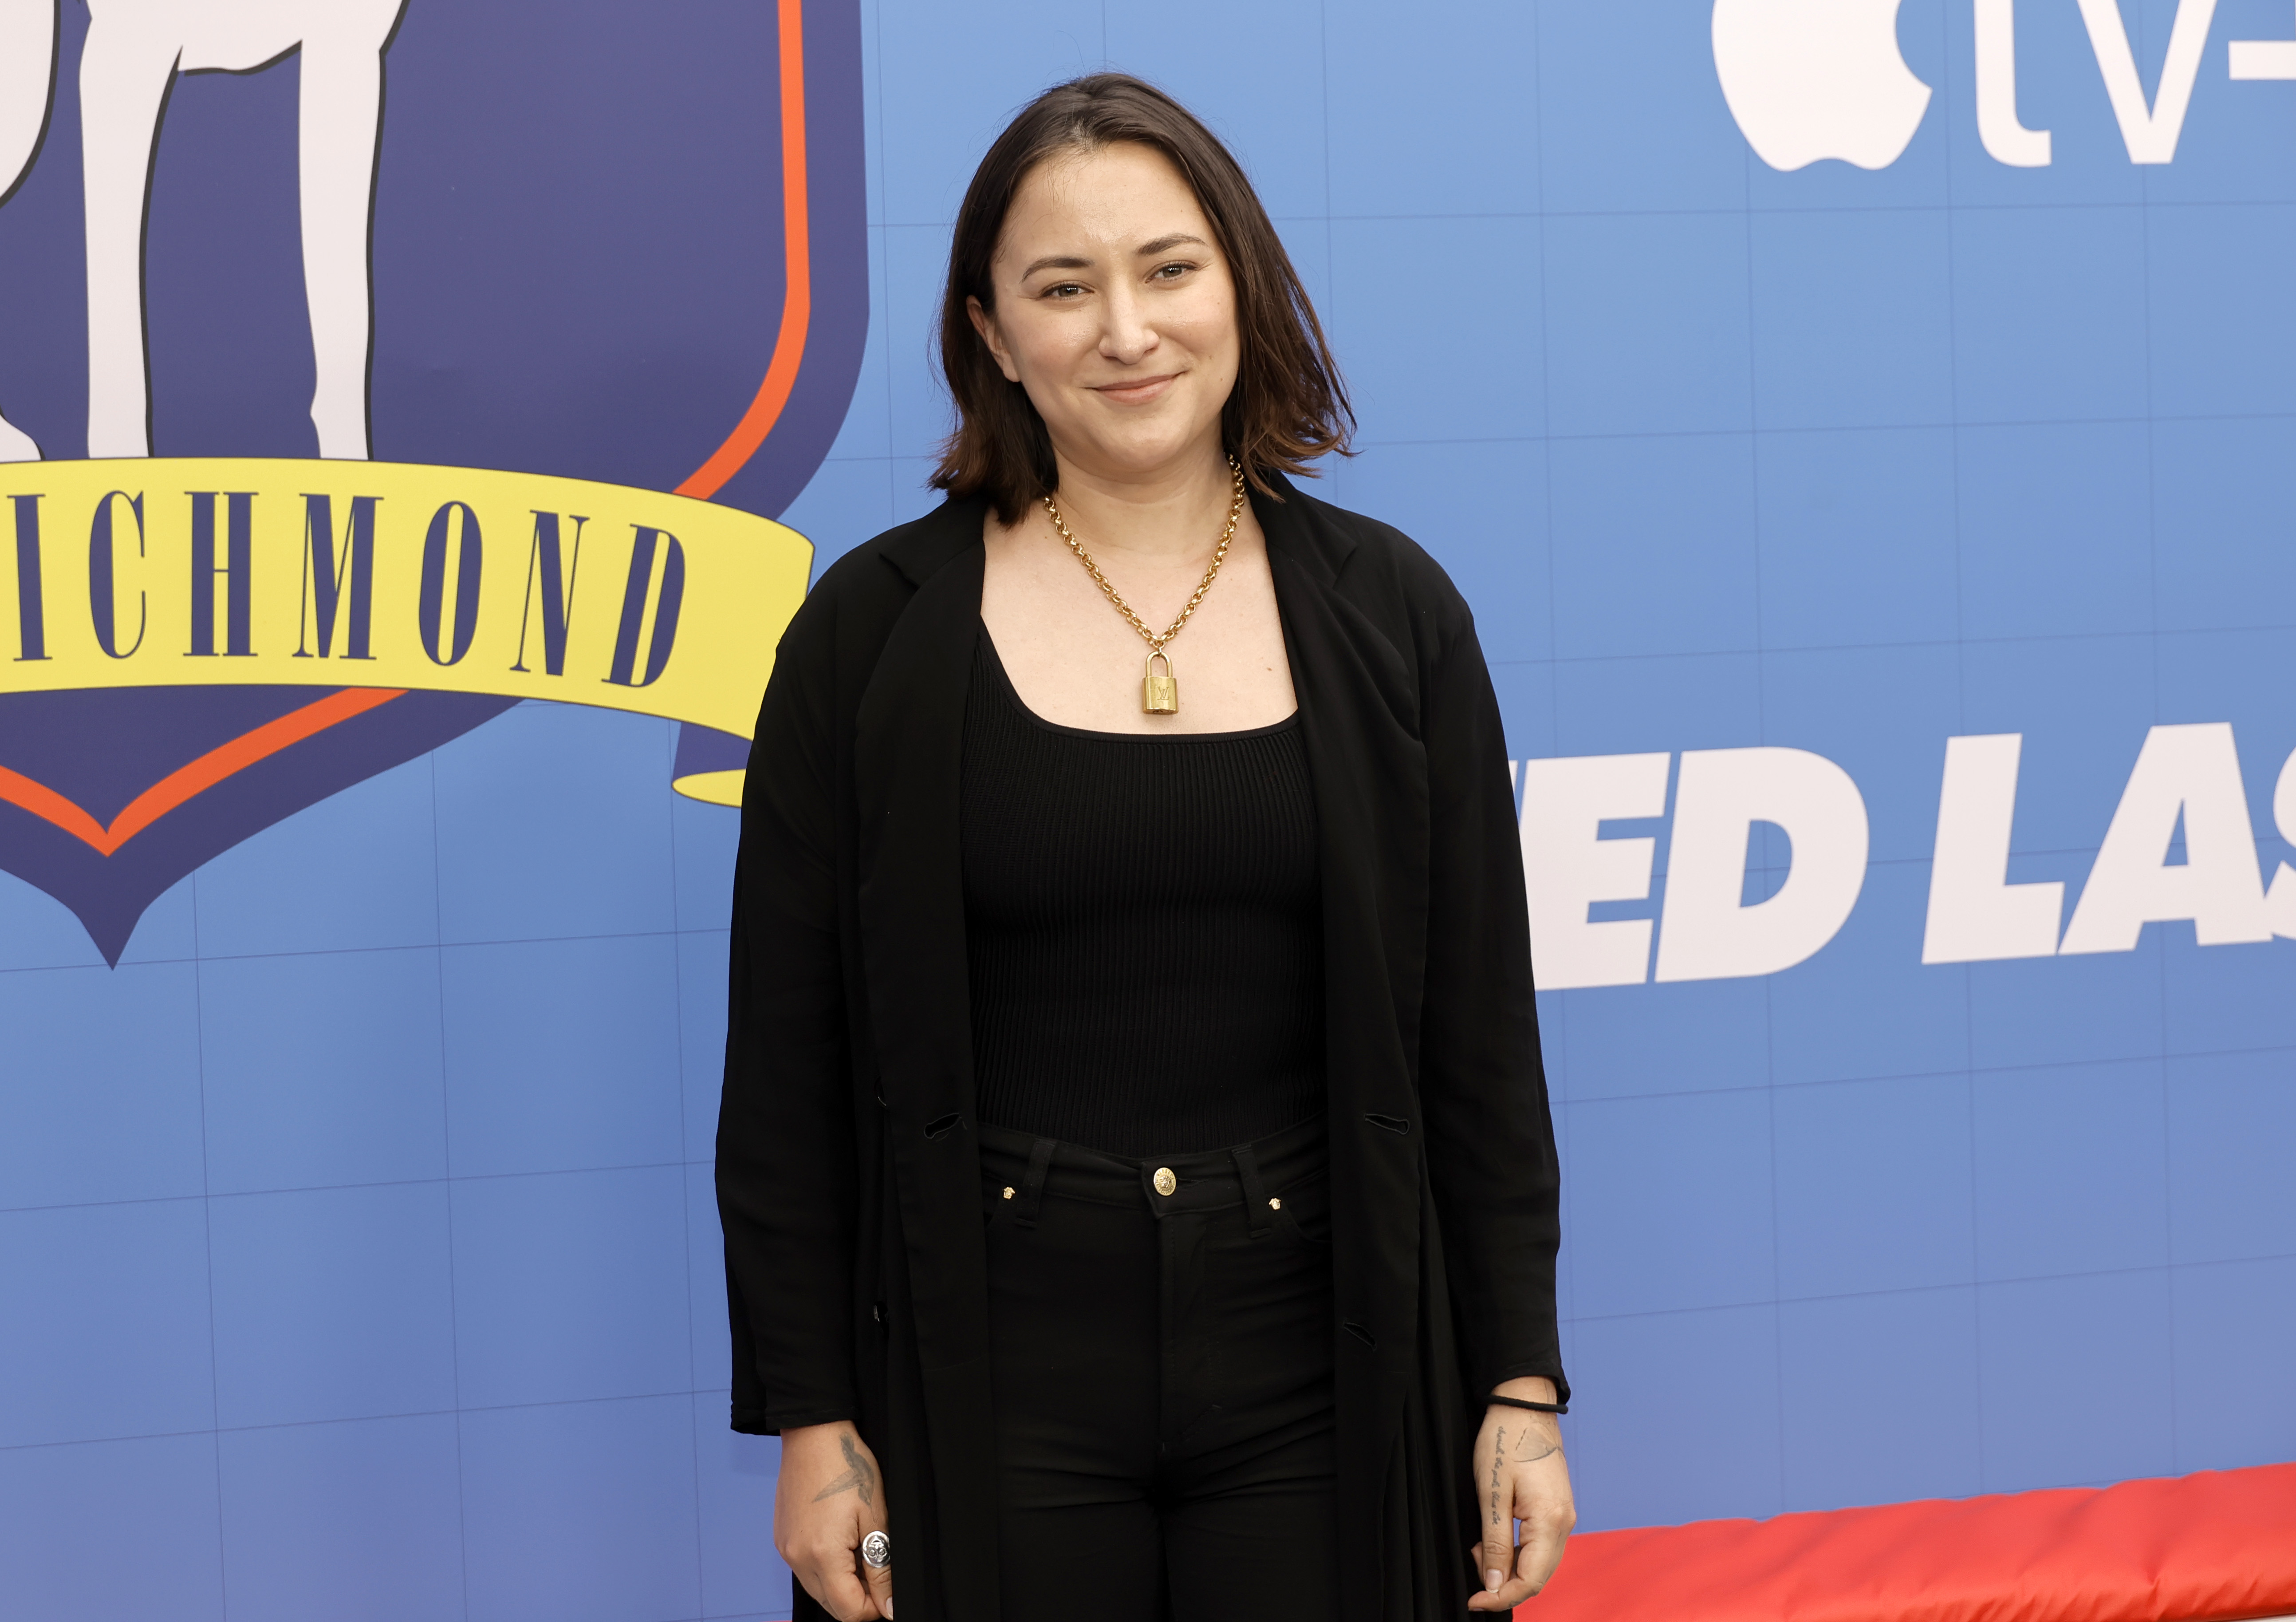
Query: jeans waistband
1249, 1175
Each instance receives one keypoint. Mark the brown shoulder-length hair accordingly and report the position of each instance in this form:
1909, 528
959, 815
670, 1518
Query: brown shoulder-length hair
1288, 406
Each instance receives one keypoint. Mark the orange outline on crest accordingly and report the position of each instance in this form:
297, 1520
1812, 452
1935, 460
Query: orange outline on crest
797, 306
186, 781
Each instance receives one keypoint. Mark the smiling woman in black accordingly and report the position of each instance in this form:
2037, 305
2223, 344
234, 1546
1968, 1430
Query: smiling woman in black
1139, 1195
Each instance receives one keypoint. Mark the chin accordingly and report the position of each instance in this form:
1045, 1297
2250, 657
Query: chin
1145, 449
1143, 461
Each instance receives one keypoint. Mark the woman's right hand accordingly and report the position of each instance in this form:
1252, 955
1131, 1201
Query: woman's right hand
829, 1498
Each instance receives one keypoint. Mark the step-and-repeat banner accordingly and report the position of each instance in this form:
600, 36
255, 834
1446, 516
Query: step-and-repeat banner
1865, 429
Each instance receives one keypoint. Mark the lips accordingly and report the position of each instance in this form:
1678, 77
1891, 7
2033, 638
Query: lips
1136, 391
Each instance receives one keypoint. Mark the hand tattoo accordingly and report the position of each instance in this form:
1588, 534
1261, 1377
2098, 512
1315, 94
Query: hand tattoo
1530, 1447
859, 1474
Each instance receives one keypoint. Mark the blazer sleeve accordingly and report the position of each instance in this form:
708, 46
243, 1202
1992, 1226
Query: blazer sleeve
787, 1179
1483, 1087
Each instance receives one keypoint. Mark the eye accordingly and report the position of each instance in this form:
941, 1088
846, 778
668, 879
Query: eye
1063, 290
1172, 271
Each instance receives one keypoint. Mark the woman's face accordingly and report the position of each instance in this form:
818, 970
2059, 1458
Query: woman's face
1115, 310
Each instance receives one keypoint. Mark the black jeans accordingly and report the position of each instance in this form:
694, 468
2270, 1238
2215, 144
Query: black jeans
1162, 1343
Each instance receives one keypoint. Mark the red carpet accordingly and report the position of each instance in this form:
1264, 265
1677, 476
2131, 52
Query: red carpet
2204, 1548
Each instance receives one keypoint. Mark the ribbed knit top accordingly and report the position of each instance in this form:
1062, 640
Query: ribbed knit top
1144, 924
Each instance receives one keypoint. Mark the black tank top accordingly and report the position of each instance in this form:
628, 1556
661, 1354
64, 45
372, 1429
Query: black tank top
1144, 924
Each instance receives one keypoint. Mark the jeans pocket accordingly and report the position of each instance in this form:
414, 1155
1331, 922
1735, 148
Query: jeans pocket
1304, 1210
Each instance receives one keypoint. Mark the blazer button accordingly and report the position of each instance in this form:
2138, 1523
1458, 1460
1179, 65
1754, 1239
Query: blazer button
1164, 1181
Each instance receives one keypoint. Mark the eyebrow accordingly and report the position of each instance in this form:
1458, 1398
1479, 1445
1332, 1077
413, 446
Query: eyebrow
1064, 261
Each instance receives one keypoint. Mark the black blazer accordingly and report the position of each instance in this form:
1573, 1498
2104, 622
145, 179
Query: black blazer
848, 1176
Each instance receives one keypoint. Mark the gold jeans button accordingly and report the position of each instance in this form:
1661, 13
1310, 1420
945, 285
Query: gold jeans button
1164, 1181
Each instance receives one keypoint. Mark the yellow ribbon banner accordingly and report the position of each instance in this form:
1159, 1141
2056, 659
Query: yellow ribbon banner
190, 571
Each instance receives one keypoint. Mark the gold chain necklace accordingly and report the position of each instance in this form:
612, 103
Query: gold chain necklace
1158, 695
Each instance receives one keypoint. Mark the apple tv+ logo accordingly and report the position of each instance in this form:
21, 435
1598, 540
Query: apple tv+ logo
1817, 78
1808, 79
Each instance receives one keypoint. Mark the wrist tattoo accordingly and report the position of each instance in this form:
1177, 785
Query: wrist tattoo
860, 1475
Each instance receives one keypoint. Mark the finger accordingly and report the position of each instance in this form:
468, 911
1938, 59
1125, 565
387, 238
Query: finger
1494, 1556
1485, 1598
1545, 1530
833, 1576
1528, 1574
1495, 1563
1511, 1594
880, 1578
1504, 1588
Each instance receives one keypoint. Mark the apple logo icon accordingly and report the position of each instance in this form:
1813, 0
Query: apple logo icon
1817, 78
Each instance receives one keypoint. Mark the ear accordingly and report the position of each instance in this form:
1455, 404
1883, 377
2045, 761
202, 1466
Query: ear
993, 337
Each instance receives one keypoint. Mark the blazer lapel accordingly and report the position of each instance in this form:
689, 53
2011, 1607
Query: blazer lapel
908, 753
1358, 716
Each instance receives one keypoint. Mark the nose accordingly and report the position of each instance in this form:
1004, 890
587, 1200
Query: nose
1126, 336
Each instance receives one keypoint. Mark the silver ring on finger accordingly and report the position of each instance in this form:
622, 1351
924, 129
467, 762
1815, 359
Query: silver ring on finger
876, 1551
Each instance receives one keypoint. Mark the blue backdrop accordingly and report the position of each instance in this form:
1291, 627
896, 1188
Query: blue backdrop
357, 1255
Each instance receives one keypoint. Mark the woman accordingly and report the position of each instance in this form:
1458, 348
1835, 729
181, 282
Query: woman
1138, 1182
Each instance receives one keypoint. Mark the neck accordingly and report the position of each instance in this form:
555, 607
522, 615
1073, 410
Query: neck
1174, 511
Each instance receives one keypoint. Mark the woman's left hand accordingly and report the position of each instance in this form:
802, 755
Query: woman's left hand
1520, 1476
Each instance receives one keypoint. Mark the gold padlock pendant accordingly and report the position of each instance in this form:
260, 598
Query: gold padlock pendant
1160, 694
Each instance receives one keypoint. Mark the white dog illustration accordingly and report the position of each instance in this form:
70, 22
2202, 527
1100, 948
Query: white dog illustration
135, 50
28, 55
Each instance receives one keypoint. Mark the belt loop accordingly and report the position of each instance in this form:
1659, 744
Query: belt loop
1032, 1186
1255, 1197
